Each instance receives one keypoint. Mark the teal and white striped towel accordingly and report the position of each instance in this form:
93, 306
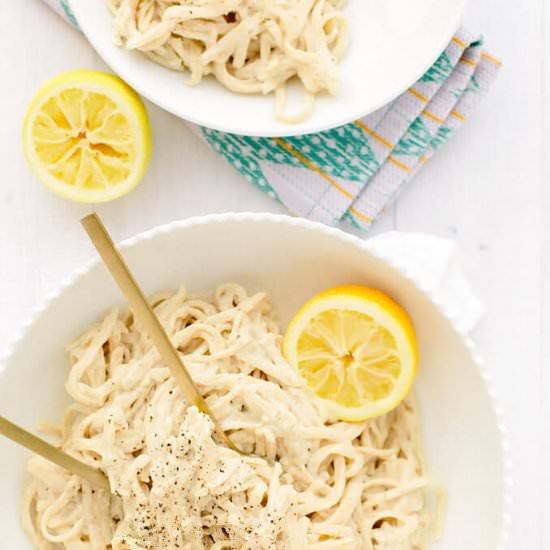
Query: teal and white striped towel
352, 173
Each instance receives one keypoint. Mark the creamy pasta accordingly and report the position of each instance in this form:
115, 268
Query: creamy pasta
249, 46
312, 483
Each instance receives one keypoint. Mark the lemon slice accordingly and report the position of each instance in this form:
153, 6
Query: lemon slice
86, 136
356, 348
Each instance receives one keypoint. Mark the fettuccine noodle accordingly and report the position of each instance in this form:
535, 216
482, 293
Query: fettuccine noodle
322, 484
250, 46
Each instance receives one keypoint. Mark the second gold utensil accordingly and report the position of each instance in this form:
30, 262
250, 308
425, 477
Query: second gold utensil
147, 317
53, 454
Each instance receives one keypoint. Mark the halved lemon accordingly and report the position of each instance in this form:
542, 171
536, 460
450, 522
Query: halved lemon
86, 136
356, 348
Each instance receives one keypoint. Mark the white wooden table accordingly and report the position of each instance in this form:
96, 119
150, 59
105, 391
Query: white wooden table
485, 190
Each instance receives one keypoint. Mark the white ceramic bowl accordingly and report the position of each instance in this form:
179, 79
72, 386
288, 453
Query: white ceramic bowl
393, 42
292, 259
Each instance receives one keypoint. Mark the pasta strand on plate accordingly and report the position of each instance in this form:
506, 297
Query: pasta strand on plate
249, 46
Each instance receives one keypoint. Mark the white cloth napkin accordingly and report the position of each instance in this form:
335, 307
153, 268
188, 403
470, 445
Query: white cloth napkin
433, 263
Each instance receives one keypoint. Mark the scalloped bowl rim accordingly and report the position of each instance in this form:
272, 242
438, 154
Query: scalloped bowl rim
389, 260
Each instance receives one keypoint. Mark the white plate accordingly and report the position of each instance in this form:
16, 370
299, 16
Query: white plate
393, 42
292, 259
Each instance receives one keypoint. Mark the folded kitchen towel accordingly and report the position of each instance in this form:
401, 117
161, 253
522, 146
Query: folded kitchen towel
433, 263
353, 172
